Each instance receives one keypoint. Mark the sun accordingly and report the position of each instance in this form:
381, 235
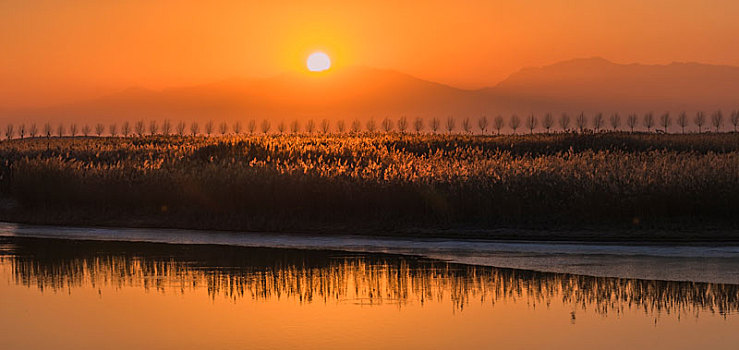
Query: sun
318, 62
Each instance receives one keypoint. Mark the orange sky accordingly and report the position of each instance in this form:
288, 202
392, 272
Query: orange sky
55, 50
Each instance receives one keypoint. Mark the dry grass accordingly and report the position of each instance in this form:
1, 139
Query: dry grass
301, 182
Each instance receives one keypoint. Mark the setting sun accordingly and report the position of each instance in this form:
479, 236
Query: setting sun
318, 62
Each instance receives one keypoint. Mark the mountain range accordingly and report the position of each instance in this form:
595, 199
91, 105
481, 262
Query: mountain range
581, 85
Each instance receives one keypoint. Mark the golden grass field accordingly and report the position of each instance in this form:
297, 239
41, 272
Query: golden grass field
375, 182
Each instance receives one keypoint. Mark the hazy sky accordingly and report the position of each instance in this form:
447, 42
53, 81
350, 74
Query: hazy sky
56, 50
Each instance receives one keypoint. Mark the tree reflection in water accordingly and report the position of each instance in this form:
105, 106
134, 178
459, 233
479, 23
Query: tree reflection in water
328, 276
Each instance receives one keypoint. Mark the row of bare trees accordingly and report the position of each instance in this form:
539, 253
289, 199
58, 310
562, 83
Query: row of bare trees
483, 125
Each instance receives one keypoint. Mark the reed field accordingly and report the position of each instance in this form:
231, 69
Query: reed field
376, 182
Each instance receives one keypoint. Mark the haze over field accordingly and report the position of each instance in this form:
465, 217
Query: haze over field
92, 61
591, 85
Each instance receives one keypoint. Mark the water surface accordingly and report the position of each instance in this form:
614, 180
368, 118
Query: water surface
715, 263
82, 294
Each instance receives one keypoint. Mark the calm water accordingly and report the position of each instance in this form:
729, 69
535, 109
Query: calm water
65, 294
711, 263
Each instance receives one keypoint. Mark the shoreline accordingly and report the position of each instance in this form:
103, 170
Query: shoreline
680, 233
705, 263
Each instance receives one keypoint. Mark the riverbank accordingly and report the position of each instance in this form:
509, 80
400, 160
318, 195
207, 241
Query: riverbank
707, 262
675, 233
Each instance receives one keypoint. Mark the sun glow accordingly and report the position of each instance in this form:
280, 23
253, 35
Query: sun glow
318, 62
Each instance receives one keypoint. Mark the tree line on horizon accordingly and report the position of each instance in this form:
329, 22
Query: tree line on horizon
482, 126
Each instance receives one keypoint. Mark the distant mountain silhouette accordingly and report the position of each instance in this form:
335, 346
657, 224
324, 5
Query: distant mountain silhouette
596, 84
589, 85
348, 93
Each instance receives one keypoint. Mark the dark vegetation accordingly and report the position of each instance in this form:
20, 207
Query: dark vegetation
683, 186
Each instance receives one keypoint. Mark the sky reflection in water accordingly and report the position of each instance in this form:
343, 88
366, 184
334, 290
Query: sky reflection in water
328, 299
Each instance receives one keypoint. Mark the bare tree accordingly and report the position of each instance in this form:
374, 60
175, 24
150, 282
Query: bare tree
581, 122
325, 126
310, 126
615, 121
402, 124
295, 127
548, 121
73, 129
418, 125
251, 126
514, 123
236, 127
482, 123
22, 131
665, 121
717, 119
340, 126
113, 129
223, 128
700, 120
86, 130
466, 125
281, 127
139, 128
47, 130
387, 124
649, 121
435, 125
99, 129
209, 128
531, 122
153, 127
371, 125
166, 127
181, 128
682, 121
498, 123
33, 130
735, 119
597, 122
631, 121
266, 125
60, 131
126, 128
450, 123
9, 131
356, 125
194, 128
564, 121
